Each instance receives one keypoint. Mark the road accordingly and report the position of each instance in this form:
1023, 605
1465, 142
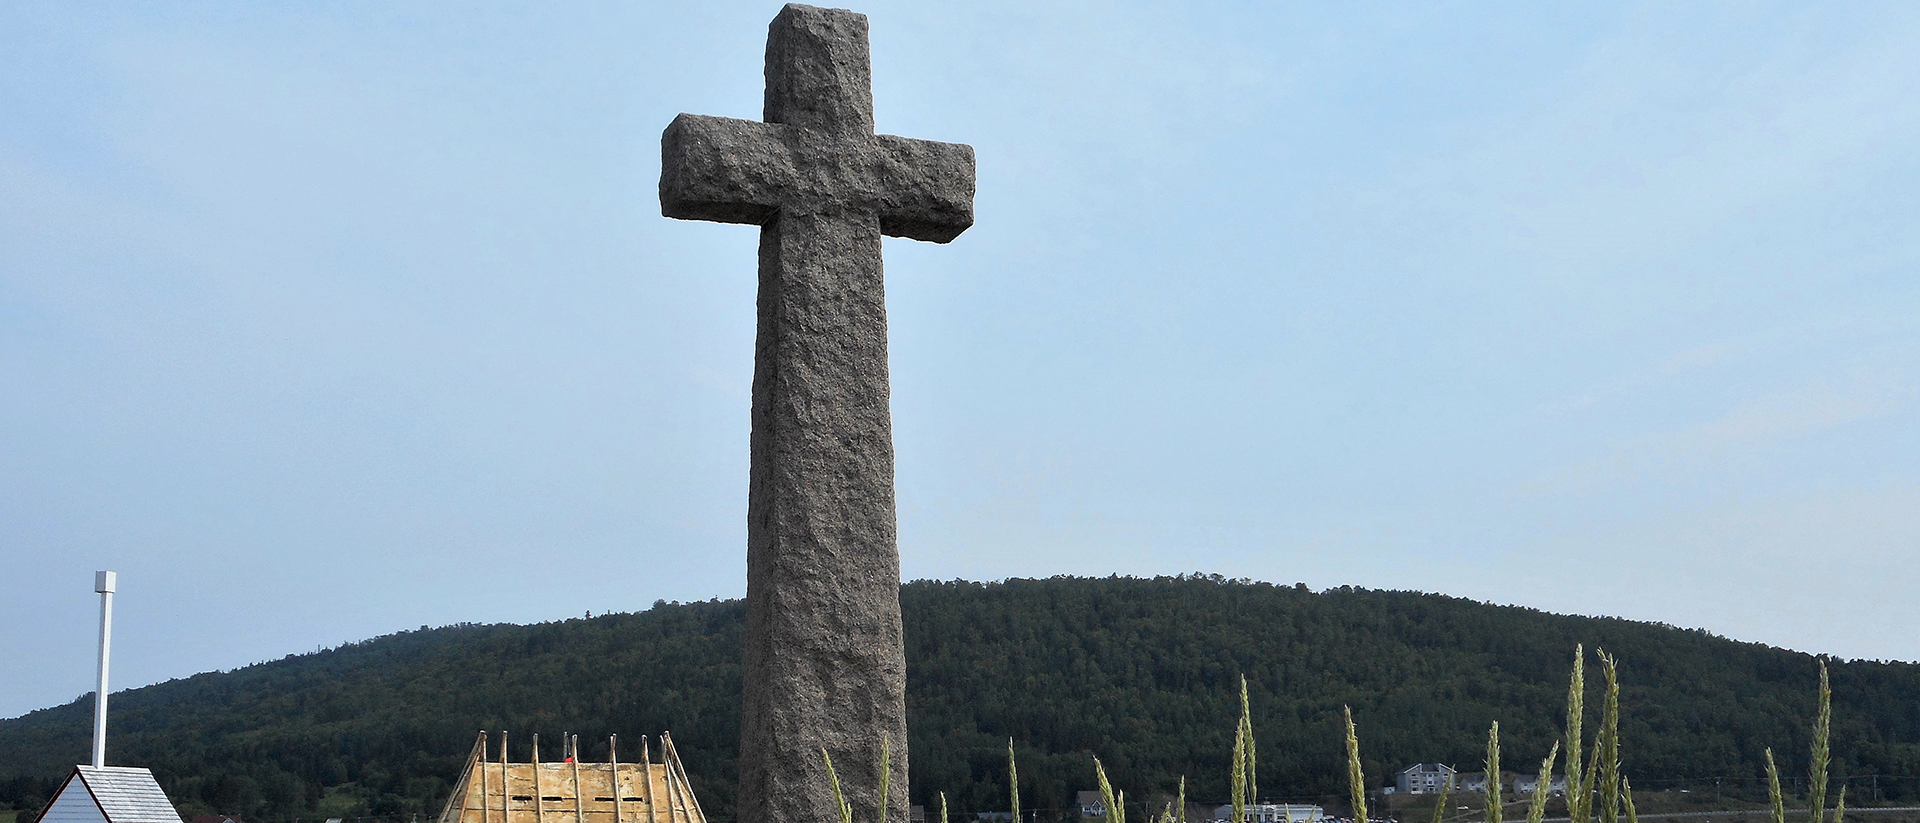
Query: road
1757, 812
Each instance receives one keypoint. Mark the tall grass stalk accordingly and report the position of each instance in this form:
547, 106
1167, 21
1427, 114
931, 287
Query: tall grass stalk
1116, 809
1355, 780
943, 807
839, 798
1609, 756
1237, 775
1494, 806
1246, 724
1773, 790
1626, 795
886, 773
1013, 781
1576, 738
1241, 790
1542, 787
1817, 767
1840, 807
1440, 808
1588, 781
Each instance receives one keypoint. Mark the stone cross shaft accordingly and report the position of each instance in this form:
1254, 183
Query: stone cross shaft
825, 664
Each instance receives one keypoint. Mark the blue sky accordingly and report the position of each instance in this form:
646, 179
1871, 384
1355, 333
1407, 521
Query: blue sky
320, 321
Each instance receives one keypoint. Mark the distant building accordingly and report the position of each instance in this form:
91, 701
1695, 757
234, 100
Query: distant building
1426, 778
1274, 813
1524, 784
1476, 782
1091, 804
109, 794
216, 818
915, 814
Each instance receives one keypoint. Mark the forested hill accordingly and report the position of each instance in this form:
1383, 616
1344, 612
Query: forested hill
1142, 673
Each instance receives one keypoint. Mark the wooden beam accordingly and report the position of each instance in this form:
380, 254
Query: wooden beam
579, 804
686, 783
480, 763
539, 803
653, 797
613, 773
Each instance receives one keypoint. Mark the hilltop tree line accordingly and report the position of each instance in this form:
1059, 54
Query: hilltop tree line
1142, 673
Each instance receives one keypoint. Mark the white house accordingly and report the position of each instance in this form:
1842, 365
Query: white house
1524, 784
1470, 782
1274, 813
1424, 778
109, 794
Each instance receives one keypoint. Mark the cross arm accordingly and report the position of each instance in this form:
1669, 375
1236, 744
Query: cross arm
722, 169
927, 188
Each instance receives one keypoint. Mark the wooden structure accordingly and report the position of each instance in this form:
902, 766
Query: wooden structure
644, 791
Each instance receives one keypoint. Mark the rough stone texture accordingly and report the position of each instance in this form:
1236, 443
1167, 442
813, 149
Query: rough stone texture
825, 665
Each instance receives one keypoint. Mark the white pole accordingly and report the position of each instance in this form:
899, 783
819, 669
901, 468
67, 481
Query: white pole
103, 582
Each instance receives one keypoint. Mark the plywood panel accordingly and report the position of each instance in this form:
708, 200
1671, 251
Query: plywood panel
492, 792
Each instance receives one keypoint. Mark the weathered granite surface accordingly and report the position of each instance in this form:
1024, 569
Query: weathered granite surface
825, 664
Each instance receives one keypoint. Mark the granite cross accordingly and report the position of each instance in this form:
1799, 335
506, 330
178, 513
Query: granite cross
825, 664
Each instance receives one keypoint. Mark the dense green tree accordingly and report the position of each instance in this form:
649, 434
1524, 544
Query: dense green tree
1143, 674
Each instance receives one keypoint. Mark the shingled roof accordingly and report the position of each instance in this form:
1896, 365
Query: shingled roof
109, 794
571, 791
